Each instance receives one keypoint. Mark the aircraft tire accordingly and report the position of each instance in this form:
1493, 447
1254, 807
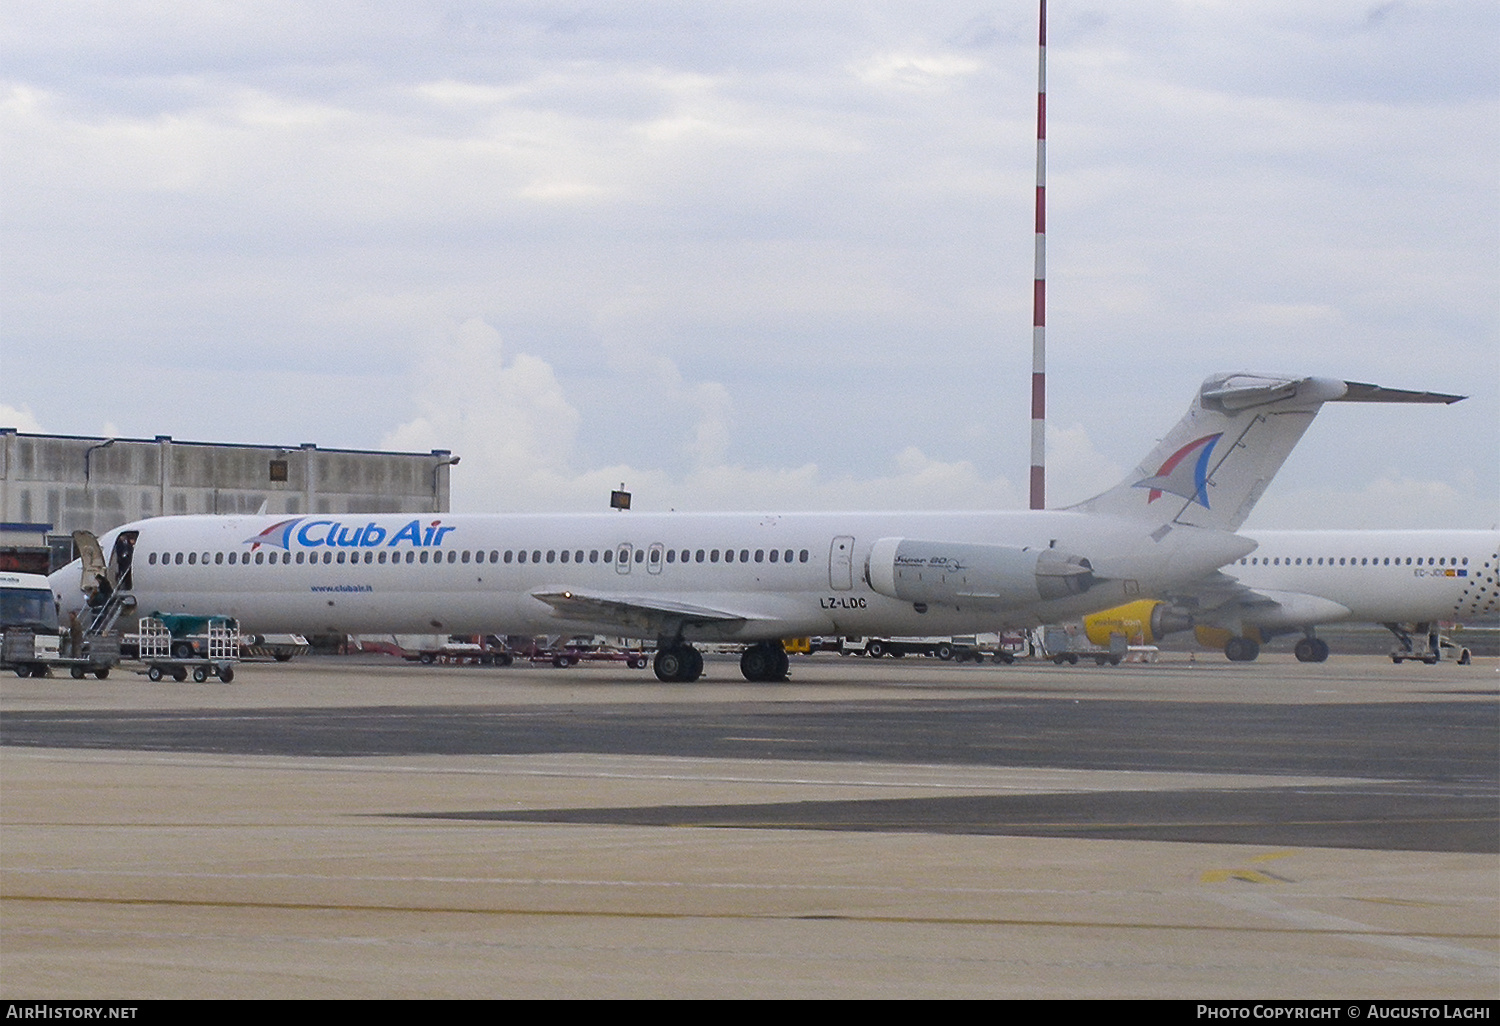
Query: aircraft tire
756, 663
681, 664
1311, 650
1241, 650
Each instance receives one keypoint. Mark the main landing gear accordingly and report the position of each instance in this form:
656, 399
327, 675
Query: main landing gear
765, 661
1311, 650
678, 664
1241, 650
681, 663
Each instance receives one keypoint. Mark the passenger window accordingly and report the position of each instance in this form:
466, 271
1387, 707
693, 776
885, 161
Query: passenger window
593, 555
578, 556
423, 556
787, 557
729, 555
760, 555
565, 555
713, 556
774, 554
671, 555
465, 557
608, 555
536, 555
744, 555
552, 555
341, 557
802, 556
640, 555
699, 556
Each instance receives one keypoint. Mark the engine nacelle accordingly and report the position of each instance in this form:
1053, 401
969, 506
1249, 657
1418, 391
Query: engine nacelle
1143, 622
967, 575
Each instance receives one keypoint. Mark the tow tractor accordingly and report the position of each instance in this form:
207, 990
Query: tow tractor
1423, 643
174, 645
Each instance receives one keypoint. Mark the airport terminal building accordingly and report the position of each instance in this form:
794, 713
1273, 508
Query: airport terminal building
52, 485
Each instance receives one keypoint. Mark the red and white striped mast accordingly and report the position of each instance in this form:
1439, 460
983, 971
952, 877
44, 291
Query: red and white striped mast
1039, 287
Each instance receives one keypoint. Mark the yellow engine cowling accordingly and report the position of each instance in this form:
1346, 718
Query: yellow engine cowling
1218, 637
1142, 622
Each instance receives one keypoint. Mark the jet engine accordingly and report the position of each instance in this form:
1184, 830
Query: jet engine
963, 574
1143, 622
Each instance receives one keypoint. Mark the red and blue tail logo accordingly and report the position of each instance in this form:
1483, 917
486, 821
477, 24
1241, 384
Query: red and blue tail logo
1182, 476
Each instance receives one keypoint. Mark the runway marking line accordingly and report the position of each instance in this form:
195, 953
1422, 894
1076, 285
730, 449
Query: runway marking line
810, 916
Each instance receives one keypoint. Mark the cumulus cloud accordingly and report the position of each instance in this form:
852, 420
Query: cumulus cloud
767, 254
510, 421
19, 418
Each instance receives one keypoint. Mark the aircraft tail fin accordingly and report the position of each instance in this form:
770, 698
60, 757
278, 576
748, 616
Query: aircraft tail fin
1211, 468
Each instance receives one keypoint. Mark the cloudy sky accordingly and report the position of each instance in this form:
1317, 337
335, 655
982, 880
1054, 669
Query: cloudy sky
770, 255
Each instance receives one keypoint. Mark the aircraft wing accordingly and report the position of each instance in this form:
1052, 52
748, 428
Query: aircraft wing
1221, 599
645, 617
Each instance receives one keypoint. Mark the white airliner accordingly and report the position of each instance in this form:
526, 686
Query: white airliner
1296, 581
755, 578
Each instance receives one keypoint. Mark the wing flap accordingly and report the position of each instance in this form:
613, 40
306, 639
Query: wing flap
646, 617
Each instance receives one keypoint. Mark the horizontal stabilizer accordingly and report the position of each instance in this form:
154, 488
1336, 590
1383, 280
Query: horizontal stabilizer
1359, 392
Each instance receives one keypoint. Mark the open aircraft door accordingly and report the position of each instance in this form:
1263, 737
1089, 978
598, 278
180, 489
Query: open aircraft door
91, 555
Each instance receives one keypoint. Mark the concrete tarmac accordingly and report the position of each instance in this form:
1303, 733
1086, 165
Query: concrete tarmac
350, 828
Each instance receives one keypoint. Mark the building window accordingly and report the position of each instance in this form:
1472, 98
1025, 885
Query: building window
278, 470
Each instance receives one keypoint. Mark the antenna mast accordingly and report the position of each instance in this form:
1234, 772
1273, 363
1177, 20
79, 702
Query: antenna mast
1039, 287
